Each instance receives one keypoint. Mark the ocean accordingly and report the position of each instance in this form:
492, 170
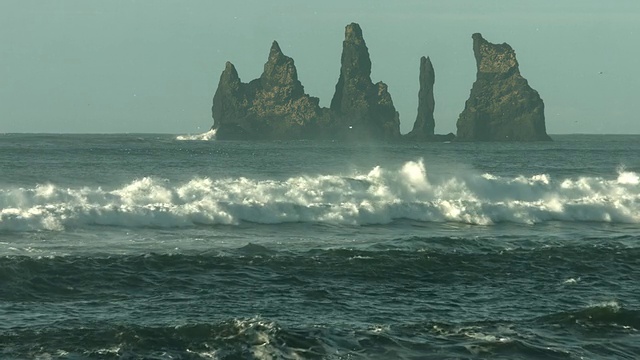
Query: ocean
143, 246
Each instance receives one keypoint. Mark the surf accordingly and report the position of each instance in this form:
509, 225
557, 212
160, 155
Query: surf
379, 196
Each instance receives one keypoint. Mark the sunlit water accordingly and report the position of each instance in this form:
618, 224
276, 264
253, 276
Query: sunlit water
165, 247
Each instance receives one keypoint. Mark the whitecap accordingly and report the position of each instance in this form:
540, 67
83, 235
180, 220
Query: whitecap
206, 136
379, 196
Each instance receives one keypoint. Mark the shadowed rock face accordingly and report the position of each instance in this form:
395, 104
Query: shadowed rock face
230, 105
361, 109
502, 106
424, 126
271, 107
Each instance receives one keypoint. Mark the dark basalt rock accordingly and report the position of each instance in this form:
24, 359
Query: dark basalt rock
502, 106
230, 106
425, 124
360, 108
271, 107
423, 127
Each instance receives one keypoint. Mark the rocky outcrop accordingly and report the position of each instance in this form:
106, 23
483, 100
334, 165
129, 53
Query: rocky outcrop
271, 107
502, 106
423, 127
230, 105
360, 108
425, 124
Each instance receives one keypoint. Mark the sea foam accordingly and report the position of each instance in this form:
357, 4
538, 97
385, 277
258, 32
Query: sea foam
206, 136
377, 197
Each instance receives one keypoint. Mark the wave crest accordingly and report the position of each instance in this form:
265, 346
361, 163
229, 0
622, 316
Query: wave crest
377, 197
206, 136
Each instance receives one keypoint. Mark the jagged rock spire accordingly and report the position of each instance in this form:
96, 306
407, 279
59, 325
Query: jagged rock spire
360, 108
502, 106
424, 126
271, 107
229, 97
280, 74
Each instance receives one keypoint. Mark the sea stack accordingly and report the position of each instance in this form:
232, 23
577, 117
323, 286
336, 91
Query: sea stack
423, 128
273, 106
502, 106
361, 110
230, 105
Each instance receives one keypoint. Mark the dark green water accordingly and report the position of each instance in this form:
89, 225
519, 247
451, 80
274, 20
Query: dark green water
146, 247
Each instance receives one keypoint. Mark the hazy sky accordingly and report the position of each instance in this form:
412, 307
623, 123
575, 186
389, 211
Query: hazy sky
95, 66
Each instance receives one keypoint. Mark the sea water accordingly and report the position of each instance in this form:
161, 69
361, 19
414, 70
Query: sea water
183, 247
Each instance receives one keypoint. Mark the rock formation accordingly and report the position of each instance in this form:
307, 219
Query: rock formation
425, 124
271, 107
230, 105
423, 127
361, 109
502, 106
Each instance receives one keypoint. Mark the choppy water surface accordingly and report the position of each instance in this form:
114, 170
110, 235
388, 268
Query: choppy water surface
149, 246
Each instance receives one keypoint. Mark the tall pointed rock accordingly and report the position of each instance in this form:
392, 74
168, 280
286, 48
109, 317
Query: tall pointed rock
280, 75
424, 126
502, 106
281, 108
273, 106
361, 109
230, 105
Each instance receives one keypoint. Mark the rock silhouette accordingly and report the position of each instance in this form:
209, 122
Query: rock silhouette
424, 125
273, 106
360, 108
502, 106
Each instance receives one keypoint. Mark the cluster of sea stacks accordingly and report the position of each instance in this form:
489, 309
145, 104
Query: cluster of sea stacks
502, 106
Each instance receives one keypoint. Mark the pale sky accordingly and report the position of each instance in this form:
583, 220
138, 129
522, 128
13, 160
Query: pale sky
152, 66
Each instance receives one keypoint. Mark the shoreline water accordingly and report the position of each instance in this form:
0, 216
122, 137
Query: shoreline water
143, 246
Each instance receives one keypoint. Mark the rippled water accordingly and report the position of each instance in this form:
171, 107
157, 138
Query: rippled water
146, 246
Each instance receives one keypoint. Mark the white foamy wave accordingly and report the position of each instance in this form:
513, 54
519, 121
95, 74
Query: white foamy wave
209, 135
612, 305
377, 197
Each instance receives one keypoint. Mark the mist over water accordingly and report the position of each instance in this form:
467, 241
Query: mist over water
147, 246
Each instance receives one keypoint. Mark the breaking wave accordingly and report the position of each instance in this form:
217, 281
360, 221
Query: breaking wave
206, 136
377, 197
